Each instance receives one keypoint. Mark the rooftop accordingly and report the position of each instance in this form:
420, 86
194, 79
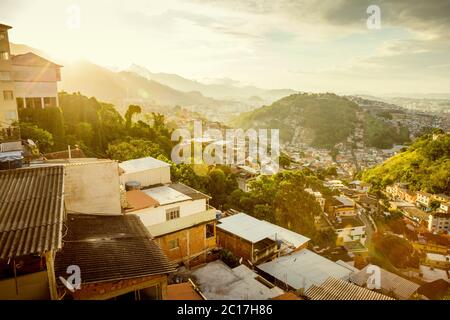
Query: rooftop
219, 282
182, 291
138, 200
108, 248
255, 230
165, 195
347, 222
303, 269
142, 164
337, 289
345, 201
31, 211
402, 288
31, 59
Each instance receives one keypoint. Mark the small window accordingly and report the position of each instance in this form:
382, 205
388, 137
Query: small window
5, 76
4, 55
20, 103
11, 115
2, 35
173, 213
49, 102
173, 244
210, 230
8, 95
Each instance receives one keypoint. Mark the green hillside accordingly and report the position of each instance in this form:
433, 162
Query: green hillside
321, 120
425, 165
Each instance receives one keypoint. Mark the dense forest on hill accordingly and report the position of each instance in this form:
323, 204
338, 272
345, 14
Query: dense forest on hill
324, 120
425, 165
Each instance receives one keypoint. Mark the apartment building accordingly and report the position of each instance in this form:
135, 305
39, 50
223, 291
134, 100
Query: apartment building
8, 109
177, 216
439, 222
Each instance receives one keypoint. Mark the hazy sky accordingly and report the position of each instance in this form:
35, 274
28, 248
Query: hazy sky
300, 44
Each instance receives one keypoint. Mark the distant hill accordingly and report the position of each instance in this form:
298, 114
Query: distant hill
217, 91
425, 165
320, 120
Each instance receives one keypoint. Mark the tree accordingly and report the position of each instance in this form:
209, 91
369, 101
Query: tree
134, 149
132, 110
42, 138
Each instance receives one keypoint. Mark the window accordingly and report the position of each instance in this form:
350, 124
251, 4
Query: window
2, 35
210, 230
20, 103
8, 95
33, 102
11, 115
172, 213
5, 76
4, 55
49, 102
173, 244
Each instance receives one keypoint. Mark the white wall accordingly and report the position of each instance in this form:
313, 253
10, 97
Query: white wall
93, 187
347, 233
152, 216
148, 177
35, 89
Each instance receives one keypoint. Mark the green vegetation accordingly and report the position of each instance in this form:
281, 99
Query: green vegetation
328, 117
95, 127
379, 134
425, 165
391, 251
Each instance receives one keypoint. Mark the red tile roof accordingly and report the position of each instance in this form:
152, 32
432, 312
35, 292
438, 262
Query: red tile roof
138, 200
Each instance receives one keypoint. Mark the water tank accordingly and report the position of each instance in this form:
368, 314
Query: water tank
218, 214
11, 160
132, 185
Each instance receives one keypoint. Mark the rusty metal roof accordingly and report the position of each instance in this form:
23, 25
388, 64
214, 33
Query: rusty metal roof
31, 210
108, 248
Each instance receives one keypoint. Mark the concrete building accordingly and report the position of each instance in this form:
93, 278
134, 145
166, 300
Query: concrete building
341, 206
436, 260
300, 270
8, 108
35, 81
255, 240
219, 282
349, 229
439, 222
177, 216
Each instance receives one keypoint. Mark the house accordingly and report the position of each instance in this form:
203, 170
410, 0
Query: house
369, 203
146, 171
337, 289
117, 259
439, 222
32, 216
217, 281
390, 283
8, 107
443, 198
256, 240
35, 81
400, 191
428, 274
415, 214
302, 269
349, 229
244, 175
444, 207
424, 199
319, 198
436, 260
177, 216
341, 206
359, 186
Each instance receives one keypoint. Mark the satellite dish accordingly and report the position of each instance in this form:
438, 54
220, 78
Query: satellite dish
31, 142
240, 260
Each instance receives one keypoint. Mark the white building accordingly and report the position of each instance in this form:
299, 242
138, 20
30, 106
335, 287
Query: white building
147, 171
439, 222
349, 229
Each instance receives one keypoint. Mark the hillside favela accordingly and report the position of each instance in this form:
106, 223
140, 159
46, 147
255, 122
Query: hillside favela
248, 151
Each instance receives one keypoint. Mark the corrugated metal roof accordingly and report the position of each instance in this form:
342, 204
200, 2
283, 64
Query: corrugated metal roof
31, 210
254, 230
304, 268
402, 288
337, 289
110, 248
